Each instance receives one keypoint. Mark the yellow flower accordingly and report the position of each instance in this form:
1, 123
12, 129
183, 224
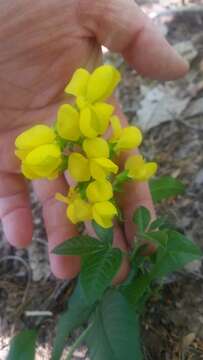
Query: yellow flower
32, 138
41, 157
78, 210
42, 162
103, 213
126, 138
96, 164
67, 124
99, 191
91, 90
138, 169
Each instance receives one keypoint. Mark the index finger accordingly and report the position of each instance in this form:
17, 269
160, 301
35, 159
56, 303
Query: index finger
122, 27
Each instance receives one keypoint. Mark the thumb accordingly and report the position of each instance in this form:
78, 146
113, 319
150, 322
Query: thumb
122, 27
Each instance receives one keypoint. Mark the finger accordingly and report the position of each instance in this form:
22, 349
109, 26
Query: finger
15, 211
58, 227
119, 242
135, 194
122, 27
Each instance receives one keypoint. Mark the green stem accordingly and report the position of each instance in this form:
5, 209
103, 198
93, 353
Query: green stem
78, 341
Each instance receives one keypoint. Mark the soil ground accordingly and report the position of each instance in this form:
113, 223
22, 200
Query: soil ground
173, 322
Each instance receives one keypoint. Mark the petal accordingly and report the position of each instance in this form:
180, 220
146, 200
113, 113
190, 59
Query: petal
97, 171
35, 136
102, 83
116, 128
103, 213
28, 173
107, 164
89, 124
103, 112
78, 84
131, 137
79, 211
95, 148
67, 123
44, 160
151, 169
100, 190
83, 210
71, 215
21, 154
133, 164
78, 167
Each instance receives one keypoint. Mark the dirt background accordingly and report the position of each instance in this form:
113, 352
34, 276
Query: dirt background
171, 116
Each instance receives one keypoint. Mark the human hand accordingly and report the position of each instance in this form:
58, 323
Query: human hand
42, 43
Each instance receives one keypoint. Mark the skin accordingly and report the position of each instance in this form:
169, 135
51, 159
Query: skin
41, 44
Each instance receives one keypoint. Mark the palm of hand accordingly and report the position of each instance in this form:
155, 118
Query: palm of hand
42, 49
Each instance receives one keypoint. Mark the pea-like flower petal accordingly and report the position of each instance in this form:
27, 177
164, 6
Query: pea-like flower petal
89, 124
34, 137
116, 128
79, 210
78, 167
102, 83
103, 112
96, 148
102, 167
67, 123
99, 191
131, 137
103, 213
140, 170
78, 84
42, 162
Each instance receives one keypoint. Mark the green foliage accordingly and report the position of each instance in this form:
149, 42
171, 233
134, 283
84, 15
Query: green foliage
174, 251
98, 272
114, 334
22, 346
141, 218
75, 315
103, 234
120, 180
165, 187
80, 245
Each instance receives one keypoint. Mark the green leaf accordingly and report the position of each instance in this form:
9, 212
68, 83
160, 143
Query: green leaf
98, 270
159, 238
23, 346
165, 187
80, 245
141, 218
178, 253
120, 179
137, 289
102, 233
77, 313
159, 223
115, 331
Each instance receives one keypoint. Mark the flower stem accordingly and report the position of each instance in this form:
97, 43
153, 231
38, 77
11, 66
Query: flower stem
78, 341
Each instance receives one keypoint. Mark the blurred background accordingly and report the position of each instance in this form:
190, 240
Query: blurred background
171, 117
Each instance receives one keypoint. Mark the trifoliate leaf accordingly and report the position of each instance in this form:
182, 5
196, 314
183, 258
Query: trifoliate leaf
141, 218
115, 331
22, 346
80, 245
165, 187
98, 271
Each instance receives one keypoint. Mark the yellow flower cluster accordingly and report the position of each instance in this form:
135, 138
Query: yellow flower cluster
81, 140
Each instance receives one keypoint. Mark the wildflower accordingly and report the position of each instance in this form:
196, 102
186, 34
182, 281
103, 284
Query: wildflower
78, 210
67, 124
41, 157
99, 191
96, 163
138, 169
124, 138
91, 90
103, 213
